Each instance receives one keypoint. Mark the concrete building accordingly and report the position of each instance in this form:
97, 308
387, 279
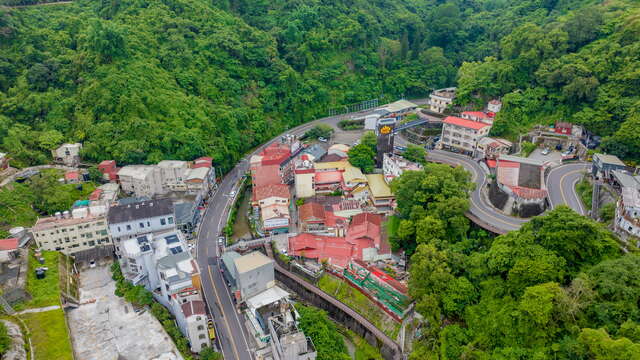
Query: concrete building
477, 116
187, 216
494, 106
394, 165
604, 165
522, 179
70, 232
439, 100
255, 274
162, 264
462, 134
491, 148
67, 154
380, 193
129, 220
172, 175
399, 108
4, 161
140, 180
628, 207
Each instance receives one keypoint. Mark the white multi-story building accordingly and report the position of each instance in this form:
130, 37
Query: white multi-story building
494, 106
628, 209
394, 165
440, 99
462, 134
255, 273
162, 264
172, 175
70, 232
131, 220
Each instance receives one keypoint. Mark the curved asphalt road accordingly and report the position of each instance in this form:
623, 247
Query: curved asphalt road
561, 183
229, 324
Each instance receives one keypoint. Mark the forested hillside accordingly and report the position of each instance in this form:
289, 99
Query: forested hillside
583, 68
138, 81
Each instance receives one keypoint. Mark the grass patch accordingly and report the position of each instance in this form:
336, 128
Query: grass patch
48, 333
44, 292
391, 225
360, 303
585, 192
364, 351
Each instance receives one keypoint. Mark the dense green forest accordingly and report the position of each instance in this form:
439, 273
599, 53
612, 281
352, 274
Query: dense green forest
583, 68
138, 81
559, 288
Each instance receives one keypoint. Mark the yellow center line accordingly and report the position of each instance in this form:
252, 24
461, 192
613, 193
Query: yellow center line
564, 198
226, 323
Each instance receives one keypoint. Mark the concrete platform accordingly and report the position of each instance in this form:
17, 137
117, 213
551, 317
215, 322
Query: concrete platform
105, 327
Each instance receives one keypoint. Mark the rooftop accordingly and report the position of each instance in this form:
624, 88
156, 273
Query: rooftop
140, 210
136, 171
316, 151
266, 175
267, 191
196, 173
400, 105
609, 159
353, 174
311, 211
378, 186
339, 165
51, 222
184, 212
228, 258
521, 160
328, 177
193, 307
251, 261
469, 124
477, 114
176, 164
8, 244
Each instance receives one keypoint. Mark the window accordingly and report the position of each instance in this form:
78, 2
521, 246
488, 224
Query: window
204, 345
170, 220
163, 222
198, 318
119, 229
200, 327
128, 227
141, 225
148, 224
202, 336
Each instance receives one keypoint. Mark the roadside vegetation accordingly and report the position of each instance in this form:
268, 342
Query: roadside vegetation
527, 148
363, 155
351, 125
585, 192
5, 339
44, 292
357, 301
319, 131
41, 195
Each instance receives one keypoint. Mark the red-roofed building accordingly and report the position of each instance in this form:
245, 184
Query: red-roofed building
72, 177
95, 195
204, 161
363, 242
265, 175
315, 217
271, 194
477, 116
328, 181
563, 128
275, 154
7, 248
109, 170
462, 135
522, 179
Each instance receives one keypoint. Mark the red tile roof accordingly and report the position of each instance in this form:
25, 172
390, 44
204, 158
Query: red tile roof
492, 163
72, 175
476, 114
328, 177
333, 220
476, 125
334, 249
266, 175
311, 211
95, 195
365, 226
275, 154
8, 244
267, 191
508, 164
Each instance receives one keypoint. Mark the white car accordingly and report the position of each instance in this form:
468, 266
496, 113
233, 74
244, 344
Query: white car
233, 193
546, 151
322, 139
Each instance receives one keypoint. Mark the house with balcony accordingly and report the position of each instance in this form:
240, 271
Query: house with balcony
394, 165
462, 135
490, 148
380, 194
477, 116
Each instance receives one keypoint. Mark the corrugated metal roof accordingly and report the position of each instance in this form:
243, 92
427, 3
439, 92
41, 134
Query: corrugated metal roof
378, 186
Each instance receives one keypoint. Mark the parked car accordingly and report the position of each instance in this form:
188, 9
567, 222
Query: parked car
92, 263
233, 193
546, 151
221, 240
322, 139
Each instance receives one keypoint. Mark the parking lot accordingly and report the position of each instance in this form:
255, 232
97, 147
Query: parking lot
106, 327
552, 156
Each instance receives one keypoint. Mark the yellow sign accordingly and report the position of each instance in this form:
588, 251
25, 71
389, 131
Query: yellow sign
385, 130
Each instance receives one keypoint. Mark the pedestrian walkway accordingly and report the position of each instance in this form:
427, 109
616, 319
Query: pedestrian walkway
37, 310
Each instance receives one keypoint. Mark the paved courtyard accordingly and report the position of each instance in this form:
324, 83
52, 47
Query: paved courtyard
105, 327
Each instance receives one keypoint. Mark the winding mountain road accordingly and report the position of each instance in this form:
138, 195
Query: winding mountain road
235, 343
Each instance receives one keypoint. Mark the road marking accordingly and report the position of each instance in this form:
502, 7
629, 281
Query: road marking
564, 198
215, 291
